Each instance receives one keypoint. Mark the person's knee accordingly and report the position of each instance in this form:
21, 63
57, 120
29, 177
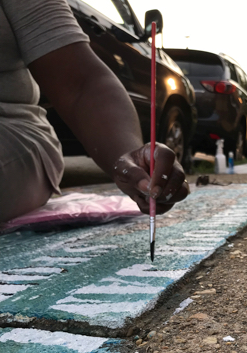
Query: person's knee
24, 186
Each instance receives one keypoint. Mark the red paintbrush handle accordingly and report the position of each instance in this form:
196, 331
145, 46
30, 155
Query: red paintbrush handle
152, 205
153, 98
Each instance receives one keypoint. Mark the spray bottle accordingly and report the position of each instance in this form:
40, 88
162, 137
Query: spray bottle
220, 158
231, 163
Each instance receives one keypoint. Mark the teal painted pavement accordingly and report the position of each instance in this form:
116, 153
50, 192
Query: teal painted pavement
103, 275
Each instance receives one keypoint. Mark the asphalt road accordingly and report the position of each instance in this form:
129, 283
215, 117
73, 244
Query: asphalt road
81, 171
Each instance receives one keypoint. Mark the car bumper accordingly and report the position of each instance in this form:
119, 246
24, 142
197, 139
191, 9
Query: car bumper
207, 133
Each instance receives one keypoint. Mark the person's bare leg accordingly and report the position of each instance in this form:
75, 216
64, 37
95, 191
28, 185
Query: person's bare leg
24, 184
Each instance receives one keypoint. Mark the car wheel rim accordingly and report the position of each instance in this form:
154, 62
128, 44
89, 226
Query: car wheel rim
175, 140
239, 147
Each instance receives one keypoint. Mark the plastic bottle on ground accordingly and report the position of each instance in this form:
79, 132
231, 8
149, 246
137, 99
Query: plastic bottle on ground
220, 158
231, 163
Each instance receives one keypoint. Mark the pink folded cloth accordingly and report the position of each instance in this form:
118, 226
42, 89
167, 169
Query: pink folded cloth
75, 209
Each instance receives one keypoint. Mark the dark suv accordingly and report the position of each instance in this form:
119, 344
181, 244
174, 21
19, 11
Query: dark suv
220, 86
119, 40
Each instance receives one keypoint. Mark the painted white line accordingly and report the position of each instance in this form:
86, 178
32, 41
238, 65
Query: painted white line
11, 288
118, 280
61, 260
71, 299
230, 218
81, 344
235, 212
96, 249
116, 288
178, 252
206, 233
209, 240
217, 223
3, 297
14, 278
30, 270
185, 248
92, 310
143, 270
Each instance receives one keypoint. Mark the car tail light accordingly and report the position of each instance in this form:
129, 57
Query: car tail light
214, 137
224, 87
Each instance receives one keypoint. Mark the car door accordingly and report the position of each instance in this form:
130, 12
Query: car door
114, 38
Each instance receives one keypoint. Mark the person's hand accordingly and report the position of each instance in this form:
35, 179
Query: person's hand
167, 186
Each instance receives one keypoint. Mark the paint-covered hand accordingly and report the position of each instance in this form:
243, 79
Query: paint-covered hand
167, 186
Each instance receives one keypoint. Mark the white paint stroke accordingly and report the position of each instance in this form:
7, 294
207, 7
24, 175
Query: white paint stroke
35, 297
118, 280
185, 248
92, 310
115, 288
236, 212
81, 344
206, 233
3, 297
61, 260
12, 288
61, 244
144, 270
71, 299
217, 223
230, 218
29, 270
183, 305
96, 249
16, 299
178, 252
14, 278
209, 240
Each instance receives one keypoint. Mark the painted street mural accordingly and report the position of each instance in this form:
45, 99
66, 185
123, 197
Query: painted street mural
101, 276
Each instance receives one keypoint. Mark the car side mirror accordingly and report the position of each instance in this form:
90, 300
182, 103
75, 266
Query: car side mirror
153, 16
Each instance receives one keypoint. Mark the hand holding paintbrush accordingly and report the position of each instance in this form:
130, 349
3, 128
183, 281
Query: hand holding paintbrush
167, 185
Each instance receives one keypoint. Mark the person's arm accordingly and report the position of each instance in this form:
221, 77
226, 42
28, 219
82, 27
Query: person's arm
91, 101
96, 107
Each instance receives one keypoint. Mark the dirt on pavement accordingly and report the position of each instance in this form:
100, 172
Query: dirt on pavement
215, 320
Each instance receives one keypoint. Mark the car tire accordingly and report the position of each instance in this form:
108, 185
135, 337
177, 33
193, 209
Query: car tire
238, 147
240, 144
172, 132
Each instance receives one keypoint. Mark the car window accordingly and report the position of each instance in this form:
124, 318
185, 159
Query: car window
231, 70
241, 77
116, 10
200, 69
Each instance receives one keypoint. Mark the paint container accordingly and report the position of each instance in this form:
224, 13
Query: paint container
220, 158
231, 163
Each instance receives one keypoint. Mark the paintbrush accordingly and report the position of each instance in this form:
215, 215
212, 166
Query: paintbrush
152, 202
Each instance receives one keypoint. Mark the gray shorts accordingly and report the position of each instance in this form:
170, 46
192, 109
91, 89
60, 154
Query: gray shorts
24, 184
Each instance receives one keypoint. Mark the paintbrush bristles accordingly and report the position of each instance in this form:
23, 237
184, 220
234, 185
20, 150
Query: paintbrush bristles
152, 250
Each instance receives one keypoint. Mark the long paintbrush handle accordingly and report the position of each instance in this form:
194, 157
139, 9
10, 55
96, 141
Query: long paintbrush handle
152, 202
